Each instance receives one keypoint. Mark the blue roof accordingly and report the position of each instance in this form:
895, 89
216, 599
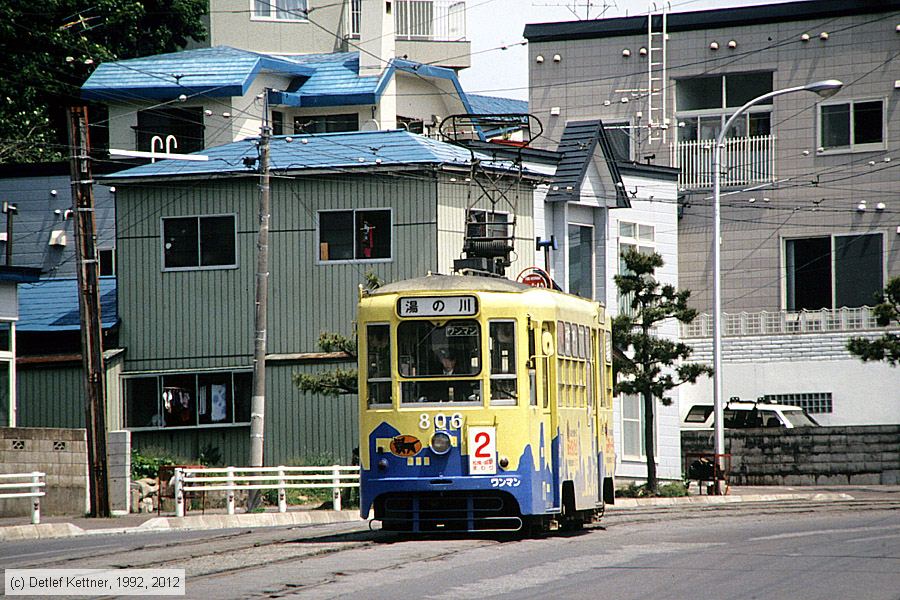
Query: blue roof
492, 105
52, 305
328, 151
220, 72
335, 81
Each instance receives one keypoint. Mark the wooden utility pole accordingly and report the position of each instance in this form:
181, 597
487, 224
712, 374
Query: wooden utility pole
258, 401
89, 306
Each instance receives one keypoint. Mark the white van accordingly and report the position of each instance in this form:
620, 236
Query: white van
744, 414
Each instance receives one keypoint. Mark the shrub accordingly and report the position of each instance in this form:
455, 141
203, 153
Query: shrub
676, 489
669, 490
145, 462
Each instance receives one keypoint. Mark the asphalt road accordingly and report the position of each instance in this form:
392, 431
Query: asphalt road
794, 551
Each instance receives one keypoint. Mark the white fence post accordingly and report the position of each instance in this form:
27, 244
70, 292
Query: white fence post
229, 498
179, 492
36, 500
282, 496
336, 491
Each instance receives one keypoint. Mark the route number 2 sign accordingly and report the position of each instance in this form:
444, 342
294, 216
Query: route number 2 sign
482, 445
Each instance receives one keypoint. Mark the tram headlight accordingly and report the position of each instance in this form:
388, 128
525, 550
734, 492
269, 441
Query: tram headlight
440, 442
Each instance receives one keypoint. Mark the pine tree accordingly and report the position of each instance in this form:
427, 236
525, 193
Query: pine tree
887, 347
651, 365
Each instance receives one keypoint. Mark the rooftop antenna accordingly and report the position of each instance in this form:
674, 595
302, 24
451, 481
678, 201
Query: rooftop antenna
575, 6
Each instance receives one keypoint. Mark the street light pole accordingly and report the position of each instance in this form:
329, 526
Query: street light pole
825, 89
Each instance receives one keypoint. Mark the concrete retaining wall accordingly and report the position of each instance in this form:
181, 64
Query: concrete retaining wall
61, 454
863, 455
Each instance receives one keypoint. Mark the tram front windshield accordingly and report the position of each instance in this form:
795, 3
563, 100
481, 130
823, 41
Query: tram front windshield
439, 361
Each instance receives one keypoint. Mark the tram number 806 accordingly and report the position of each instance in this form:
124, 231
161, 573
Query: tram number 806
441, 421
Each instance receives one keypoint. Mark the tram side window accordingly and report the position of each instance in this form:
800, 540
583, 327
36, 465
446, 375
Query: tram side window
378, 359
502, 348
545, 368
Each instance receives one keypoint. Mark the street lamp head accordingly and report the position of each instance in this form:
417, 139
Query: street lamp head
825, 89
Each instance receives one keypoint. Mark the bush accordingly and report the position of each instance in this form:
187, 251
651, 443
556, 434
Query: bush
145, 462
668, 490
675, 489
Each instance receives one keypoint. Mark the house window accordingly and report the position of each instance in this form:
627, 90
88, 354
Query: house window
633, 236
355, 18
202, 242
811, 402
326, 123
280, 10
833, 272
857, 125
170, 130
705, 103
581, 260
107, 257
277, 122
354, 235
633, 419
188, 400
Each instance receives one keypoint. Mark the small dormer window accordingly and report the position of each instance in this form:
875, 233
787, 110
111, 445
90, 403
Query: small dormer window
280, 10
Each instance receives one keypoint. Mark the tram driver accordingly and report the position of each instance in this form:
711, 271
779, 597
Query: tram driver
457, 390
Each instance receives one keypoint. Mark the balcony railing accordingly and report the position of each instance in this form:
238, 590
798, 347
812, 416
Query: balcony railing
745, 161
784, 322
427, 20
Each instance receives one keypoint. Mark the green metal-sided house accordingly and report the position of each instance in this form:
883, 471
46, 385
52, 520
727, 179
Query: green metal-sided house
391, 203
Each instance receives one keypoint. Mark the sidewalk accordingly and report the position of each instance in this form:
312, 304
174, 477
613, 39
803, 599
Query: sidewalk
19, 528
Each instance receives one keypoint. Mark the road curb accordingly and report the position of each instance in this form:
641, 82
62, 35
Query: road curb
626, 503
249, 520
59, 530
42, 531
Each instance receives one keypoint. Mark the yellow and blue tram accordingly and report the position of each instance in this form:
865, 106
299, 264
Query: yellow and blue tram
485, 404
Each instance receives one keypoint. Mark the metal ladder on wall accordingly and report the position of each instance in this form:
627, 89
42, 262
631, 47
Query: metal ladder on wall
657, 36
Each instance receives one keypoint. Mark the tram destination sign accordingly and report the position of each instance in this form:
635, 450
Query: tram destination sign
437, 306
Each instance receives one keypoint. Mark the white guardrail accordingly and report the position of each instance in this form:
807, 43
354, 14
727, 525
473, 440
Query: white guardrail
232, 479
31, 483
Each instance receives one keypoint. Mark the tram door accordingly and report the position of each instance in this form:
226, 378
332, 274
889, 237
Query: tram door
549, 412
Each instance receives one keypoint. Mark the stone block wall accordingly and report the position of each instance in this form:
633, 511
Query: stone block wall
857, 455
61, 454
118, 452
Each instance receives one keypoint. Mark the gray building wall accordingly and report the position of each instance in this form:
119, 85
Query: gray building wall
41, 201
592, 77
